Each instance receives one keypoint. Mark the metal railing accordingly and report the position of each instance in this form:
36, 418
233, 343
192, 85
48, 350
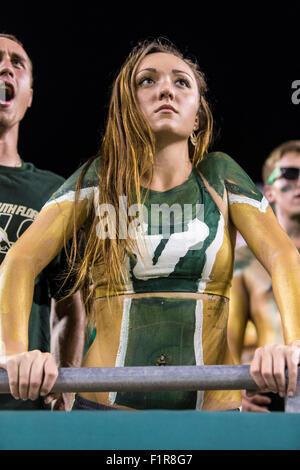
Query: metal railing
153, 378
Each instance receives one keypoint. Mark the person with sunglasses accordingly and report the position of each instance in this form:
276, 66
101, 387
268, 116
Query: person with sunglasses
252, 297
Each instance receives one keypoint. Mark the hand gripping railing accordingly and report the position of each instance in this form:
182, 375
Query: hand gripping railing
154, 378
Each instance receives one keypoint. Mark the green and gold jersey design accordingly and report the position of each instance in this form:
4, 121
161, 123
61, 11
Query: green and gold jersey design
174, 309
196, 254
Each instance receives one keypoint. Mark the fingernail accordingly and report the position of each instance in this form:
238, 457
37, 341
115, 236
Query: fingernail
290, 394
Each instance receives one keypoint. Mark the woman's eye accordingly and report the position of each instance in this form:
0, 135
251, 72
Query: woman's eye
183, 82
146, 81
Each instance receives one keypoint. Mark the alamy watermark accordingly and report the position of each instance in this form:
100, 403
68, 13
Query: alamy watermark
296, 94
185, 223
2, 91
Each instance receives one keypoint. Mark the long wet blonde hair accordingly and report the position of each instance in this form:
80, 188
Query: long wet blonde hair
126, 156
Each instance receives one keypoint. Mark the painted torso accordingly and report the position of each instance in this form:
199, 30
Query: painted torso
174, 309
166, 316
188, 249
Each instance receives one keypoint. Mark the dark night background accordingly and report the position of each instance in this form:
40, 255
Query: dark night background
250, 58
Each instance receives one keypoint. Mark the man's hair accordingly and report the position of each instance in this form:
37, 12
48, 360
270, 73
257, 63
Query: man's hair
276, 155
12, 37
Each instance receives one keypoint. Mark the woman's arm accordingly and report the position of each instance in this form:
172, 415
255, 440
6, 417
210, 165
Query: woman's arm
31, 372
276, 252
254, 219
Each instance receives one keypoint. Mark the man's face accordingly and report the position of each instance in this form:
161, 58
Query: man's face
15, 83
285, 193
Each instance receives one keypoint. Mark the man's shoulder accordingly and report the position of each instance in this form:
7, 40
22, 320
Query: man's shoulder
43, 181
44, 173
38, 183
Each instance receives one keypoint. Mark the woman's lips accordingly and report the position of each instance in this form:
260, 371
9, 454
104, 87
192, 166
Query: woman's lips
166, 108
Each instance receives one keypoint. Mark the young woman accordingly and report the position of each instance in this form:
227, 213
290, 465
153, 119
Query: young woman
159, 217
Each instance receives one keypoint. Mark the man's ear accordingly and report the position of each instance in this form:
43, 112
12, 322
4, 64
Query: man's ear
30, 98
268, 193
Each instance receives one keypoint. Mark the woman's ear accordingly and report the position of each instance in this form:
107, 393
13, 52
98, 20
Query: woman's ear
196, 125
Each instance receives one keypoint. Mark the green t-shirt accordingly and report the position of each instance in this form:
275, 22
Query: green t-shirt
23, 192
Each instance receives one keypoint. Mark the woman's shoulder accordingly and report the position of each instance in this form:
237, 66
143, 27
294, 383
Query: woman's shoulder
87, 175
91, 173
217, 162
222, 171
216, 167
85, 179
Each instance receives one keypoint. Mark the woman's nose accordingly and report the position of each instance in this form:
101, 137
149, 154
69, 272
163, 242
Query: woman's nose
166, 90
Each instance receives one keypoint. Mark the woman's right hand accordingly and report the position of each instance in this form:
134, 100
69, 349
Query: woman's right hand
30, 374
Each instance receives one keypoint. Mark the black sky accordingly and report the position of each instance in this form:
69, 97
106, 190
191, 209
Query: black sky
250, 58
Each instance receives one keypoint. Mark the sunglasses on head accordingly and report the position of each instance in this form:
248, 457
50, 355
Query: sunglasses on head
289, 173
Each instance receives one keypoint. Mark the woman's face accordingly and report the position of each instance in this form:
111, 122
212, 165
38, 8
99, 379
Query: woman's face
168, 95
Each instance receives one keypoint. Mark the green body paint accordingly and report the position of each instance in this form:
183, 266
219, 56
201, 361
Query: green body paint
286, 188
160, 327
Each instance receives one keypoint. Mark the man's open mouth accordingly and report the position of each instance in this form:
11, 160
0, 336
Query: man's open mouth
7, 92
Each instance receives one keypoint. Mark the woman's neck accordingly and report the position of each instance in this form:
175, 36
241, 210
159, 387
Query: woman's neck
172, 166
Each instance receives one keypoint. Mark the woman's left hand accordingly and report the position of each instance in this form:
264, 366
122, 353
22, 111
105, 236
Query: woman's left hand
269, 364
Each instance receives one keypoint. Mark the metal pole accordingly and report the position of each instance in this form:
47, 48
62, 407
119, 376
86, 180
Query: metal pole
152, 378
292, 404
